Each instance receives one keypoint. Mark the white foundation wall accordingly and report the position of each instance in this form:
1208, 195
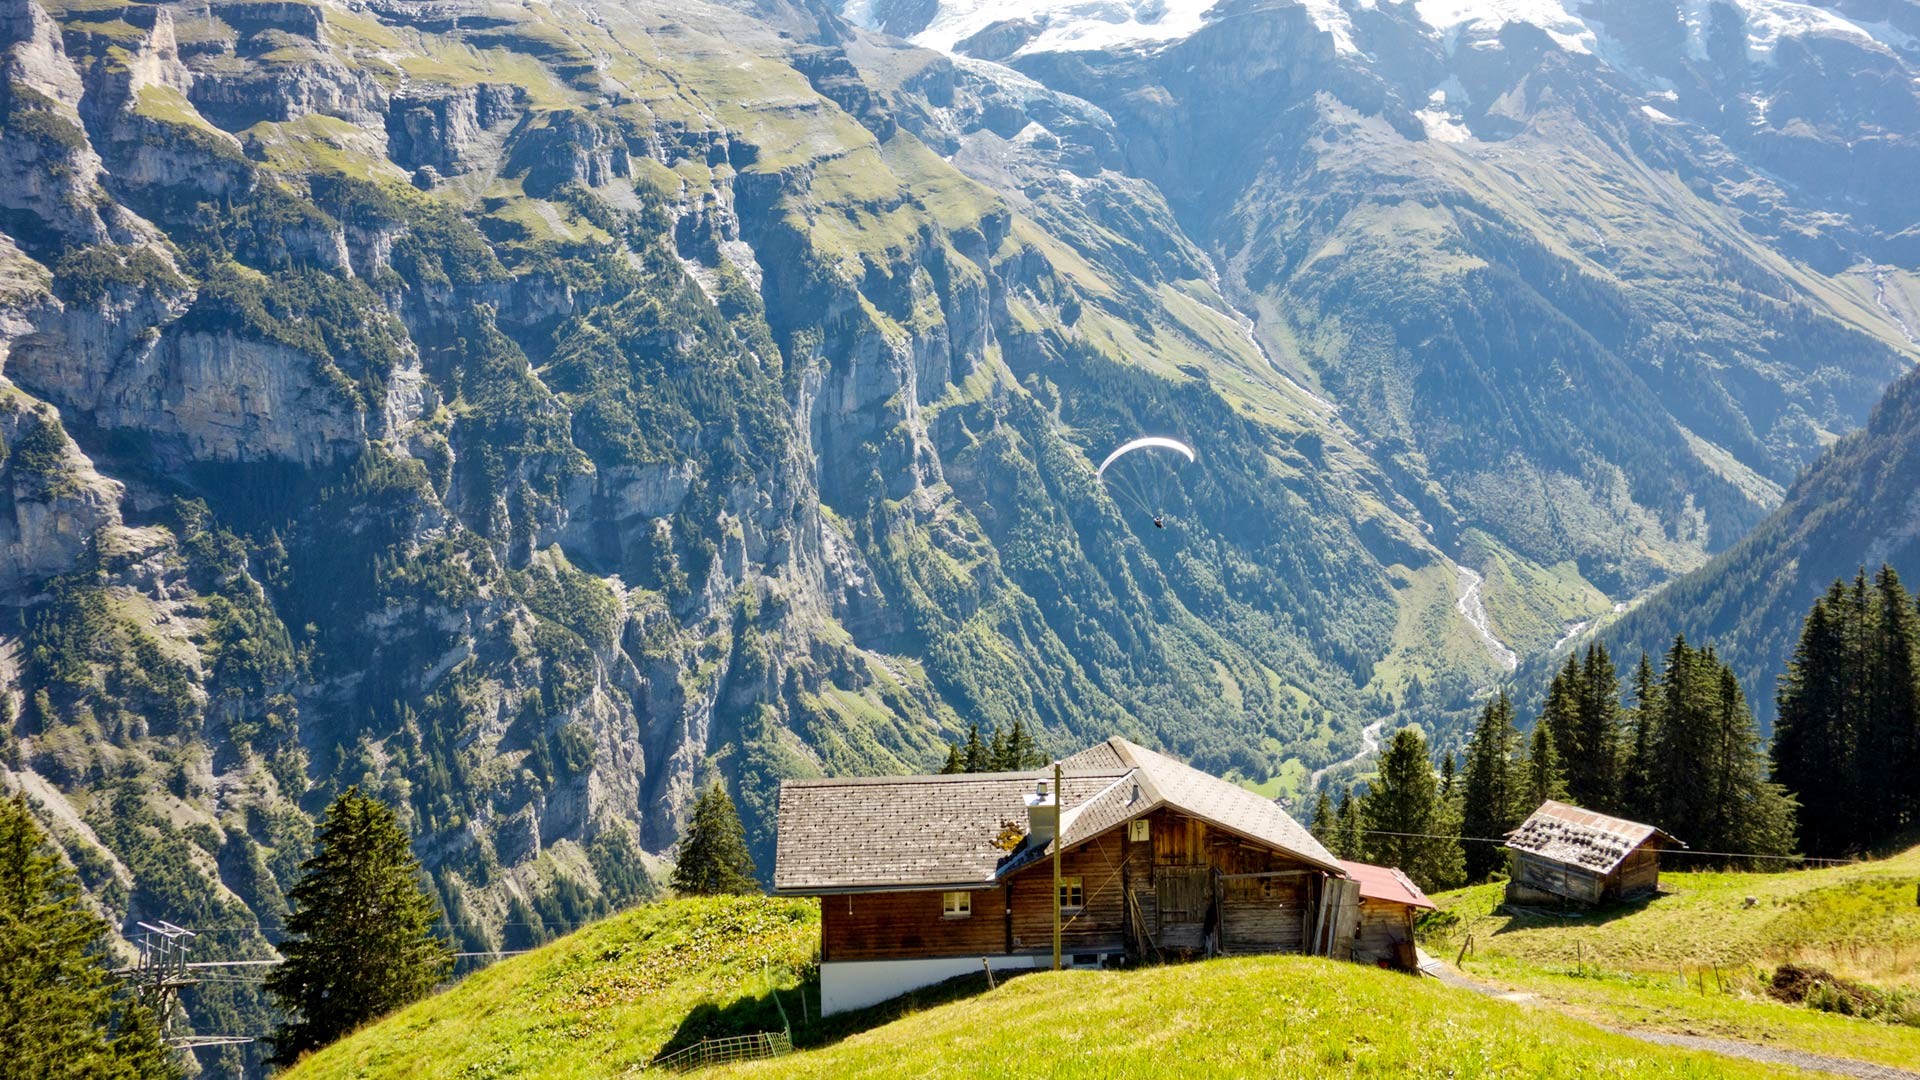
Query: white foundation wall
855, 984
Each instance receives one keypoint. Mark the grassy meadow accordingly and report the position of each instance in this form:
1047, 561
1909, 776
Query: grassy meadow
1698, 958
607, 1000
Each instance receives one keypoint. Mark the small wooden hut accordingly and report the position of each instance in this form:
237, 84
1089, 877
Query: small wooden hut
1389, 902
1563, 854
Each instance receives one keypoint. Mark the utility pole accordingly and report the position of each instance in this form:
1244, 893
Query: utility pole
1058, 842
162, 972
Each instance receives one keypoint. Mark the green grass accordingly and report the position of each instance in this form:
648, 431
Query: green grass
598, 1002
1266, 1016
1625, 965
605, 1001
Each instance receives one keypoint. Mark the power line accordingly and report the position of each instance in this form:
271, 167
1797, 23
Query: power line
1663, 851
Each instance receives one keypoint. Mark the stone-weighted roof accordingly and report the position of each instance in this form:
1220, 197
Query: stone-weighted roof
1582, 838
927, 832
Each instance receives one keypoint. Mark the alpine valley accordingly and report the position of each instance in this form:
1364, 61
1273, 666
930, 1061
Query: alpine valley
531, 412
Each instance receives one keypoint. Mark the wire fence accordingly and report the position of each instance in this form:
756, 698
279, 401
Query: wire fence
755, 1047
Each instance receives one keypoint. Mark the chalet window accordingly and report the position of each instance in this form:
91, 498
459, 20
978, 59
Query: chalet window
956, 905
1071, 896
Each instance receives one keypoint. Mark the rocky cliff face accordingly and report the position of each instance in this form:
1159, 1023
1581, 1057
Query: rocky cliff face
1591, 283
533, 414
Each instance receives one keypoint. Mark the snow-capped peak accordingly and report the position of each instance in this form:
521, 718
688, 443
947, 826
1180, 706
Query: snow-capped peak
1077, 25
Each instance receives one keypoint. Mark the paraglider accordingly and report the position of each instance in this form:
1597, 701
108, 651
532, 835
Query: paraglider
1141, 471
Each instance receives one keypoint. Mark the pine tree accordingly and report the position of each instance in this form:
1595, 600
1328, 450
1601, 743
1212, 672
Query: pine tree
1593, 775
1561, 711
997, 754
1546, 779
713, 853
1713, 792
1447, 775
975, 752
1637, 796
360, 941
1325, 828
1020, 752
1491, 799
1348, 832
1884, 763
59, 1014
1813, 736
1747, 813
954, 763
1407, 822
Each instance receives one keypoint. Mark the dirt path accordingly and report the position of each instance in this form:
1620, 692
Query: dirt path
1768, 1055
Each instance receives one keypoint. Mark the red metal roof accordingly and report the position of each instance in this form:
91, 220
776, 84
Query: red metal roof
1386, 883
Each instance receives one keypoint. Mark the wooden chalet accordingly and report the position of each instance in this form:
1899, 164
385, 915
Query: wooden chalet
1389, 903
922, 878
1563, 854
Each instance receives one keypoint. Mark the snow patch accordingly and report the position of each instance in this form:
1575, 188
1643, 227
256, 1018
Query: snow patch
1442, 119
1082, 25
1449, 17
1656, 114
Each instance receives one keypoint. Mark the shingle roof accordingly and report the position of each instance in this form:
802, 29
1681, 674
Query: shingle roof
1386, 883
1568, 834
905, 831
925, 832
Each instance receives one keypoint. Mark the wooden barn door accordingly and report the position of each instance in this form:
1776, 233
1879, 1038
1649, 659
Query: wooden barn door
1181, 897
1339, 918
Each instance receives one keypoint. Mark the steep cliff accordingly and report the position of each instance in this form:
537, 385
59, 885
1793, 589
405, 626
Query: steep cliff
529, 413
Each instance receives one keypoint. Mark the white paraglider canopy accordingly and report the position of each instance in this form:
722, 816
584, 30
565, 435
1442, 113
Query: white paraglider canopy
1144, 481
1140, 444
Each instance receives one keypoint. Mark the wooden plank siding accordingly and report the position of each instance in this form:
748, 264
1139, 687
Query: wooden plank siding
1182, 870
893, 925
1384, 927
1537, 880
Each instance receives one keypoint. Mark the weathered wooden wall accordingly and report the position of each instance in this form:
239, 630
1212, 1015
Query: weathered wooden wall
1383, 928
887, 926
1637, 876
1174, 877
1537, 880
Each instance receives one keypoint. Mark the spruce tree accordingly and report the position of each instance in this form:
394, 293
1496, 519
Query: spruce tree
1019, 752
1593, 775
997, 754
1546, 779
954, 763
1348, 831
1886, 769
1447, 775
1637, 797
1407, 822
975, 752
1491, 799
360, 941
1561, 711
1324, 827
1746, 812
59, 1012
1813, 736
713, 854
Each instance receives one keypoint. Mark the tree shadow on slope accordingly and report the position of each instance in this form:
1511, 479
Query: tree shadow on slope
796, 1009
1537, 916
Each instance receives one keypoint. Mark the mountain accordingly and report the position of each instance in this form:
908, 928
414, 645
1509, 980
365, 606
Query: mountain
531, 412
1854, 509
1591, 283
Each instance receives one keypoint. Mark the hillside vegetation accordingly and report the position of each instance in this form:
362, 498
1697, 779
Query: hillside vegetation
597, 1002
1699, 958
606, 1000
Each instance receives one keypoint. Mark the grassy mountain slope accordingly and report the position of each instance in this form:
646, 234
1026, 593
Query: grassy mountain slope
532, 413
1576, 331
1696, 959
607, 999
1854, 508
